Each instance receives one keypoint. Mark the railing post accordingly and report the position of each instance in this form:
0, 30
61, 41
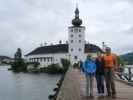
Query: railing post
129, 72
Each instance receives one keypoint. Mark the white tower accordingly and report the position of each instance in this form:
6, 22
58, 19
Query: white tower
76, 39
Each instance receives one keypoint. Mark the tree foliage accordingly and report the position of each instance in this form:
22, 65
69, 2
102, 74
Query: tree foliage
127, 58
65, 63
18, 64
54, 69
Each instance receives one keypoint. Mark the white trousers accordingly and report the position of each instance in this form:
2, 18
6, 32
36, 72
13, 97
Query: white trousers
89, 85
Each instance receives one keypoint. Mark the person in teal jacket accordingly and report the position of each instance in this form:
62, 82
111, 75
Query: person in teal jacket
89, 68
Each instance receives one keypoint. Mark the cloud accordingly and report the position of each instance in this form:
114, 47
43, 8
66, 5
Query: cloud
28, 23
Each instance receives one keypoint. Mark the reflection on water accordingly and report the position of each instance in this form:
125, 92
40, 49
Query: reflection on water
25, 86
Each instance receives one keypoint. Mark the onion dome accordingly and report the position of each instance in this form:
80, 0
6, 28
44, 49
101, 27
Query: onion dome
77, 21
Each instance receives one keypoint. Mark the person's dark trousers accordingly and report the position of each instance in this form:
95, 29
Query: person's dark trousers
109, 78
100, 83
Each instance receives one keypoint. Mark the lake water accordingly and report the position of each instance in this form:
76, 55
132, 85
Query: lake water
25, 86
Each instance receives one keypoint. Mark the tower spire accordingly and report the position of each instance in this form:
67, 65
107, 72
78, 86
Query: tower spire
77, 12
76, 21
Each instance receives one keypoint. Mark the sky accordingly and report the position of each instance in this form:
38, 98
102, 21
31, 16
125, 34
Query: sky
27, 24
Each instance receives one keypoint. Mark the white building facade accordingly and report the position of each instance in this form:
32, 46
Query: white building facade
75, 50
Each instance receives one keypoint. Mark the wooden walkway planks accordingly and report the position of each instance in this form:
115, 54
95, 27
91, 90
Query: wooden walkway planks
124, 91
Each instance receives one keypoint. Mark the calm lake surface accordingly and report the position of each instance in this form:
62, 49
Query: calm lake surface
25, 86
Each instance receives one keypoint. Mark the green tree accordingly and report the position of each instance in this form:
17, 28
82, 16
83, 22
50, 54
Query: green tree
65, 63
120, 63
19, 64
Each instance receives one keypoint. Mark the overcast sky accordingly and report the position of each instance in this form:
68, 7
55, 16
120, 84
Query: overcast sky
28, 23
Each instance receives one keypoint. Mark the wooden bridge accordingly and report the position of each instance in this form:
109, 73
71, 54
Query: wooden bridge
74, 84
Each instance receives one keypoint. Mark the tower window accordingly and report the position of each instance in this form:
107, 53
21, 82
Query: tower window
80, 49
79, 35
75, 57
71, 41
71, 35
71, 49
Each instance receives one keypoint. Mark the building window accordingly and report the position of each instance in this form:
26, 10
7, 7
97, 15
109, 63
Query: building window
79, 35
79, 30
71, 49
75, 57
44, 59
40, 59
71, 35
80, 49
48, 59
71, 41
30, 59
51, 59
79, 41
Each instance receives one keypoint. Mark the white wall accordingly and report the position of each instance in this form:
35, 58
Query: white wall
76, 34
56, 58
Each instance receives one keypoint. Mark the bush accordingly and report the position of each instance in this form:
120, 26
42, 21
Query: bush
53, 69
